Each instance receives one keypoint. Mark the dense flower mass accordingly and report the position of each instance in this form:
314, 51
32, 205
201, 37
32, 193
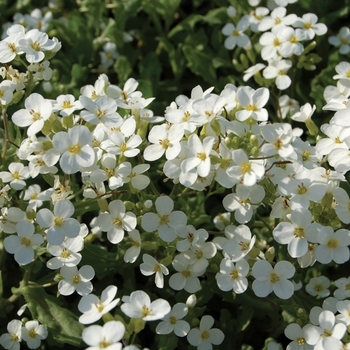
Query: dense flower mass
228, 211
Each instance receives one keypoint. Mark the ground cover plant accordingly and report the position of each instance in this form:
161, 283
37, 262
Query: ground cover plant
174, 174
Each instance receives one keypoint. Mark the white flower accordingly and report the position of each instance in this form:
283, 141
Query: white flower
164, 140
315, 335
101, 110
341, 40
268, 279
75, 148
308, 23
235, 34
9, 47
244, 170
277, 20
22, 244
94, 308
292, 42
165, 221
104, 337
65, 254
15, 176
190, 236
294, 332
12, 339
205, 336
278, 137
116, 221
241, 242
151, 266
198, 159
318, 286
139, 305
233, 276
277, 69
199, 254
74, 280
33, 333
333, 246
243, 202
133, 252
297, 233
342, 208
343, 307
252, 101
185, 278
137, 179
343, 290
172, 322
6, 92
66, 105
59, 223
33, 45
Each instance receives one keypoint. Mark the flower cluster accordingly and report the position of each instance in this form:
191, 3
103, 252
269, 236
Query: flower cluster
99, 190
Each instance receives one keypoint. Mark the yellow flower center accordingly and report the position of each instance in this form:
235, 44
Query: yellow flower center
123, 147
302, 189
244, 245
76, 279
202, 156
252, 108
164, 219
172, 320
306, 155
278, 144
74, 149
16, 175
245, 167
65, 253
58, 221
14, 337
234, 274
293, 40
301, 341
165, 143
274, 278
35, 115
32, 333
157, 268
332, 243
66, 104
199, 254
100, 114
318, 287
36, 46
278, 20
299, 232
117, 222
276, 42
99, 306
236, 32
205, 335
307, 25
186, 273
145, 311
26, 241
104, 344
186, 116
12, 47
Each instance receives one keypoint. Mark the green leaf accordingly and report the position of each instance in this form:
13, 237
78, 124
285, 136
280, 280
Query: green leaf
102, 261
123, 68
62, 324
245, 318
167, 342
200, 64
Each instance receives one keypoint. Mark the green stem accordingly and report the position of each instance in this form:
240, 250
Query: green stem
6, 130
